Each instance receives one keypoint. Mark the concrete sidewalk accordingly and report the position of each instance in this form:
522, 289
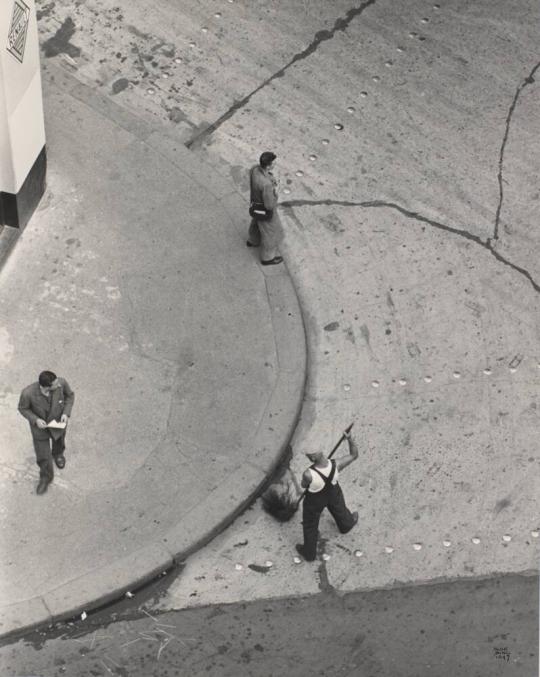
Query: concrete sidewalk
187, 358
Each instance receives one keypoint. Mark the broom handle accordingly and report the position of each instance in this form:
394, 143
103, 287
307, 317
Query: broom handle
347, 430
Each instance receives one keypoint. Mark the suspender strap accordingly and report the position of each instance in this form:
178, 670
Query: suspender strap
327, 480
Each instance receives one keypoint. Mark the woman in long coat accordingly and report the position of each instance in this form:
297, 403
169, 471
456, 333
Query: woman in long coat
266, 233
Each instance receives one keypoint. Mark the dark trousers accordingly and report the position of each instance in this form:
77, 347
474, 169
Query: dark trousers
330, 497
45, 451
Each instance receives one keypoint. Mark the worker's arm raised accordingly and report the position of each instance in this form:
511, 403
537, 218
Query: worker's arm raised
352, 455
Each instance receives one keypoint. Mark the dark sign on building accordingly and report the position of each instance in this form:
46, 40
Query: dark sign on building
18, 29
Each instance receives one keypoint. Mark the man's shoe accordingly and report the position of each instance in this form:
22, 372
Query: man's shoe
355, 520
42, 486
60, 461
300, 551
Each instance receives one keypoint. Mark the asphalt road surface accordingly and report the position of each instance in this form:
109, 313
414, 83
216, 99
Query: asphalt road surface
470, 629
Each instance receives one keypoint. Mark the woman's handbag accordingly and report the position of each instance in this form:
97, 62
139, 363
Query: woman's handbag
258, 211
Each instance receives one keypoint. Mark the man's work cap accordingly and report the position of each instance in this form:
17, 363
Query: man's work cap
267, 158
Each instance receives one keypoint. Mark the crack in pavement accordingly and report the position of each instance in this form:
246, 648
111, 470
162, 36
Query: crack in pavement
529, 80
392, 205
340, 24
289, 204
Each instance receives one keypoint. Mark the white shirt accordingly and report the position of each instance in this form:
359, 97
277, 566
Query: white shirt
317, 482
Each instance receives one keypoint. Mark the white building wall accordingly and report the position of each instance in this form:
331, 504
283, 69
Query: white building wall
22, 131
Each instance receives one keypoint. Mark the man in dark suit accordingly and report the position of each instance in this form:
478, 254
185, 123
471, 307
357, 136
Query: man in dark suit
49, 399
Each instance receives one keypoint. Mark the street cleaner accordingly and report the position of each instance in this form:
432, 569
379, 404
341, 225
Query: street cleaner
320, 481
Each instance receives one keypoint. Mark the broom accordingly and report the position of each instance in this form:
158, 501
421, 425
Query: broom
283, 504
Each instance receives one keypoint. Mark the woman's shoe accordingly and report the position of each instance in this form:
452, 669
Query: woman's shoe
272, 262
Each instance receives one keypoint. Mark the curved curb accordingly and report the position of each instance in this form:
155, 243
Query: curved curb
271, 444
235, 493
